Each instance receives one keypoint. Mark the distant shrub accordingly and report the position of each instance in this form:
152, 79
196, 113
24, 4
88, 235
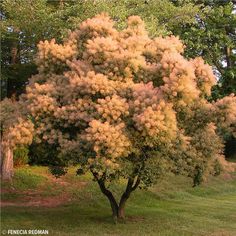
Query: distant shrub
217, 168
57, 171
198, 176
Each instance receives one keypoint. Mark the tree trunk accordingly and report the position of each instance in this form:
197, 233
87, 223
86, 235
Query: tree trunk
7, 162
118, 211
228, 57
112, 200
121, 210
15, 47
14, 52
124, 198
131, 186
108, 194
61, 3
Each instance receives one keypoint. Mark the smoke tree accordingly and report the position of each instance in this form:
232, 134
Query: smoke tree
16, 131
124, 105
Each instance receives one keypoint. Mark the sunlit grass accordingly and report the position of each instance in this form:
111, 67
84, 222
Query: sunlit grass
172, 207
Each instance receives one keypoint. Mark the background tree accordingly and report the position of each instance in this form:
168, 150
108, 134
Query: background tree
124, 105
205, 26
212, 36
16, 131
25, 22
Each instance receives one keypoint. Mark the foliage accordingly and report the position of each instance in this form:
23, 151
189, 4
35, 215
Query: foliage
16, 129
217, 168
230, 148
206, 27
43, 154
21, 156
120, 103
212, 36
23, 24
22, 27
58, 171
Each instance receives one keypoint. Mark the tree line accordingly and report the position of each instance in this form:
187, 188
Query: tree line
206, 27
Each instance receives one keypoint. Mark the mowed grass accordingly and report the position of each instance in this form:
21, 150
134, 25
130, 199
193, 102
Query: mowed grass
172, 207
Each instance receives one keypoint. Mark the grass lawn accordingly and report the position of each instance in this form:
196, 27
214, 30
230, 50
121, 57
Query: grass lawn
171, 208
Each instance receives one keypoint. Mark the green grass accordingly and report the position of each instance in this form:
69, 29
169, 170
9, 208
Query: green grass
171, 208
26, 179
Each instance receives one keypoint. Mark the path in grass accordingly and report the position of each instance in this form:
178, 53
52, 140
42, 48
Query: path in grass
170, 208
37, 187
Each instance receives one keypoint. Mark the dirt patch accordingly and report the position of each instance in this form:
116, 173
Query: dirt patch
135, 218
40, 198
7, 191
227, 176
38, 201
227, 166
221, 233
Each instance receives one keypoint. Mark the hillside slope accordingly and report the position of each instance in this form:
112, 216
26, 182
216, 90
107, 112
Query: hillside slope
74, 206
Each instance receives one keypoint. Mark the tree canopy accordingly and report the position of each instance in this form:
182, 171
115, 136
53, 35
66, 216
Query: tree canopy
24, 23
122, 104
206, 27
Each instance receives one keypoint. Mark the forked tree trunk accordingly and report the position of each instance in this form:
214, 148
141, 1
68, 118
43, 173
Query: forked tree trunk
112, 200
125, 196
121, 209
118, 210
6, 162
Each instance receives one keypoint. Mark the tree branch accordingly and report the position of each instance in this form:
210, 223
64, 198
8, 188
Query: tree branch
136, 184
